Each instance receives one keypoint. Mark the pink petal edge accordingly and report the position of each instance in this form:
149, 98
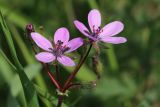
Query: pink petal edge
114, 40
112, 29
61, 34
81, 27
74, 44
94, 19
66, 61
41, 41
45, 57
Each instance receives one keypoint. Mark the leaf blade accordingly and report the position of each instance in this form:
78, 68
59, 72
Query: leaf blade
28, 88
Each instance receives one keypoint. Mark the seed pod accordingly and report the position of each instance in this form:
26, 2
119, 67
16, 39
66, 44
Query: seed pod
95, 64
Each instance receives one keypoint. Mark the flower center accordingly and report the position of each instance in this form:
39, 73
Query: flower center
95, 33
59, 49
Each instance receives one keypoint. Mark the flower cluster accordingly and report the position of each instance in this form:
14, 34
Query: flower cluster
56, 50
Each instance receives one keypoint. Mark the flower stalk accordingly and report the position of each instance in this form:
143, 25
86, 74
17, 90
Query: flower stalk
67, 83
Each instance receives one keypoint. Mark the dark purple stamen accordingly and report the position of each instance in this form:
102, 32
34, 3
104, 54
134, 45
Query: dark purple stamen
50, 49
59, 42
65, 49
87, 32
59, 49
95, 33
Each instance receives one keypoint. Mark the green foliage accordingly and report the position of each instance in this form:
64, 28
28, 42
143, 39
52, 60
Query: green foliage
28, 88
129, 72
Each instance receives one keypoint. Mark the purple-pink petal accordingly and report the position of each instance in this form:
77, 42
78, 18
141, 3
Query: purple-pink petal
112, 29
45, 57
41, 41
81, 27
66, 61
74, 44
114, 40
94, 19
61, 34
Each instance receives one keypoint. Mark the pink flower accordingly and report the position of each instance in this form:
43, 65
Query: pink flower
56, 50
106, 34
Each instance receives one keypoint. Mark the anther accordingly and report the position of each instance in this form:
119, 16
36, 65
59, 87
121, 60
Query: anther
87, 32
94, 28
65, 49
50, 49
59, 42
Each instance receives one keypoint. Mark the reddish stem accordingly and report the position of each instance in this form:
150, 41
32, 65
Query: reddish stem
54, 81
51, 76
70, 78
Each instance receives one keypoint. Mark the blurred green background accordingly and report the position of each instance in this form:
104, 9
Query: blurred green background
130, 72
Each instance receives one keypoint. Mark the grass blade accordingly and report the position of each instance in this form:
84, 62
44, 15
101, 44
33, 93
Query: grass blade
29, 91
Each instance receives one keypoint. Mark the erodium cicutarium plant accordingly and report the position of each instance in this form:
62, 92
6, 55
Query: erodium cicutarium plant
53, 52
